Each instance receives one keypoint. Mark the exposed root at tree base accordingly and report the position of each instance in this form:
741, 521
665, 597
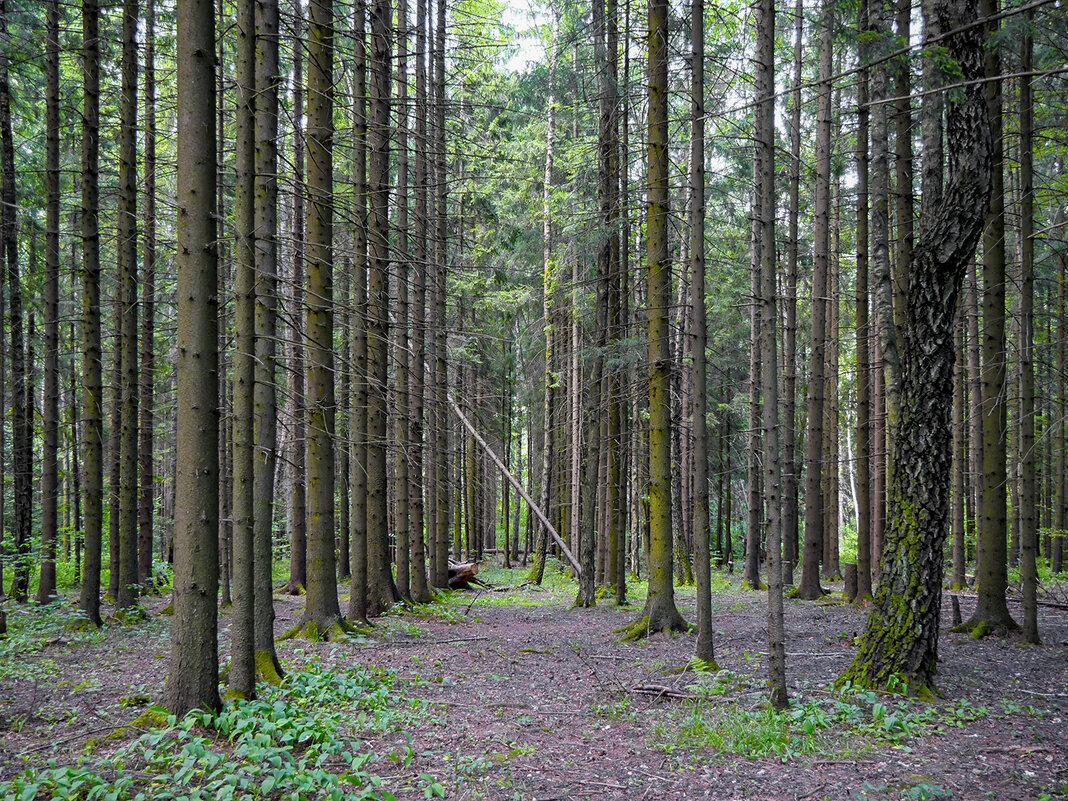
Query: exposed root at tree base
316, 631
152, 718
267, 667
979, 628
645, 627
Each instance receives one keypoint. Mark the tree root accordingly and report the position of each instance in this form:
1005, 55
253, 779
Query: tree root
316, 631
645, 627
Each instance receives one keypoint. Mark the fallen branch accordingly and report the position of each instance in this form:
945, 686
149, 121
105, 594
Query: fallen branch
662, 691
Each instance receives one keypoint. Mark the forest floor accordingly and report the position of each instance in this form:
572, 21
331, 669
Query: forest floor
507, 693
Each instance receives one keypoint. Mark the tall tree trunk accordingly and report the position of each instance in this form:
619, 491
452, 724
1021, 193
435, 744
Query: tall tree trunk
92, 432
126, 235
703, 648
901, 636
416, 508
548, 287
1026, 439
441, 375
20, 446
381, 591
298, 539
660, 612
992, 564
193, 675
809, 587
146, 453
402, 392
864, 506
46, 587
264, 399
322, 615
358, 460
790, 466
242, 666
764, 154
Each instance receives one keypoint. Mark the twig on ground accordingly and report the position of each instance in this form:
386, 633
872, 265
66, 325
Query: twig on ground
52, 744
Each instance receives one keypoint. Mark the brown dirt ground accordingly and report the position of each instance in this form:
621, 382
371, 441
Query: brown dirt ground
538, 702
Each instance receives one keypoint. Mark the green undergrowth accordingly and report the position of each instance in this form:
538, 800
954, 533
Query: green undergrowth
36, 631
843, 724
308, 738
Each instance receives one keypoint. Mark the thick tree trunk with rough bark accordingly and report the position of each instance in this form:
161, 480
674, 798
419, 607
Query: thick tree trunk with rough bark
193, 676
901, 636
660, 612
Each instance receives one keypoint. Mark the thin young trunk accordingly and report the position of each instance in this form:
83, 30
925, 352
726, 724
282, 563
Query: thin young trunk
416, 510
441, 375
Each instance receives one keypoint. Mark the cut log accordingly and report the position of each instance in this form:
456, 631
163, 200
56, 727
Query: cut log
461, 575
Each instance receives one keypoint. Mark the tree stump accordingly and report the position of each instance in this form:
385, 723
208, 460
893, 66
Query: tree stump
850, 582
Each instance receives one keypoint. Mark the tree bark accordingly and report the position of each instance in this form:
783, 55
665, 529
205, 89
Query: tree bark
769, 378
322, 615
242, 676
126, 235
264, 398
901, 636
146, 453
20, 446
381, 591
660, 612
46, 587
1026, 438
193, 675
92, 380
810, 588
992, 560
